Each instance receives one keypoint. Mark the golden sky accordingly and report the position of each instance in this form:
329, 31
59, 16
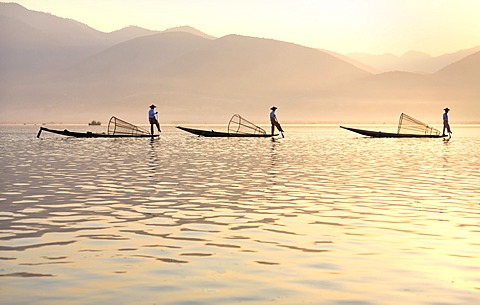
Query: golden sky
374, 26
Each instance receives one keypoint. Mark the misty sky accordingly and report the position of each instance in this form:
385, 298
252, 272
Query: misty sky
344, 26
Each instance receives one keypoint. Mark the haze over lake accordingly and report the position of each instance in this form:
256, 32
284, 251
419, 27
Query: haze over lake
61, 70
320, 217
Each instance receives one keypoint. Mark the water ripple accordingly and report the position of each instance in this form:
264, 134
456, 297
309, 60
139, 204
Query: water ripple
319, 217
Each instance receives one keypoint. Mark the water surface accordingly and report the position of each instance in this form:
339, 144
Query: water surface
321, 217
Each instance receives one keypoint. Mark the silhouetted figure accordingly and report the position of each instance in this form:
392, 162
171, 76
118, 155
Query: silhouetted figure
445, 122
152, 119
274, 121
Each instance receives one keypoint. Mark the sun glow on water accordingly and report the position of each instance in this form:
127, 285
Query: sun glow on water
216, 220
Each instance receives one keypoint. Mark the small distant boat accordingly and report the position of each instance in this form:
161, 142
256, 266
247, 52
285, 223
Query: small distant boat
238, 127
117, 128
95, 123
408, 127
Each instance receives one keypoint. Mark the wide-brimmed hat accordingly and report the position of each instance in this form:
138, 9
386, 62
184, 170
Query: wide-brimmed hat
446, 109
152, 106
273, 108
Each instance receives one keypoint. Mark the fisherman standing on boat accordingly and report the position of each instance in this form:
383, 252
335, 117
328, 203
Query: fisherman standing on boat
274, 121
152, 119
445, 122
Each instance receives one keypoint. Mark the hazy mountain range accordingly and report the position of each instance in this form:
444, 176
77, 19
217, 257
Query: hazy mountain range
412, 61
59, 70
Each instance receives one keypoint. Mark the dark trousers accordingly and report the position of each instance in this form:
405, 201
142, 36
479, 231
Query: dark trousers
153, 121
275, 123
446, 126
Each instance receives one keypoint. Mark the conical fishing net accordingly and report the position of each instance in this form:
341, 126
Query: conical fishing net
117, 126
240, 125
409, 125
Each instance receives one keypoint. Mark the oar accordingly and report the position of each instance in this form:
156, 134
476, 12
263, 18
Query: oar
280, 129
156, 118
39, 132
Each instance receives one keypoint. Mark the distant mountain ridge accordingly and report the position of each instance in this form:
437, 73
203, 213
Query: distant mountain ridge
191, 30
412, 61
194, 77
128, 33
67, 32
465, 72
194, 69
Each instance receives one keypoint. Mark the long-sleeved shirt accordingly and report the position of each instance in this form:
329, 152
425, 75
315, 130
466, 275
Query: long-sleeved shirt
151, 113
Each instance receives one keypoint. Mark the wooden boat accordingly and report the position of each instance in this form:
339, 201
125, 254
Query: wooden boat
381, 134
117, 128
408, 127
90, 134
238, 127
212, 133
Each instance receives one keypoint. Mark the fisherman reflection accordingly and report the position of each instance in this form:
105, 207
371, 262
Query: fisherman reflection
154, 161
272, 171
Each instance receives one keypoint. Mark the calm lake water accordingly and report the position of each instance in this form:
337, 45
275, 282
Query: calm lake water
321, 217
